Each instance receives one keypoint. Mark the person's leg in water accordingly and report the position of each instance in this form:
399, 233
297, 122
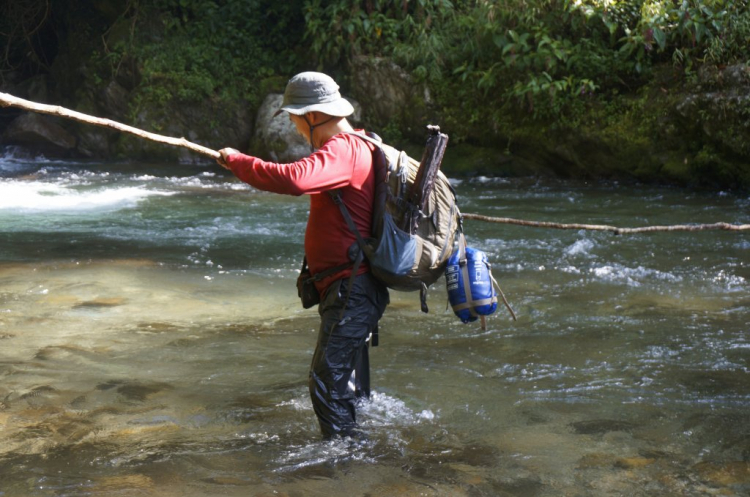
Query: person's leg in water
339, 374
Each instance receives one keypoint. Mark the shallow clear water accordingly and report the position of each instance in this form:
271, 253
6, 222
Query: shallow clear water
151, 343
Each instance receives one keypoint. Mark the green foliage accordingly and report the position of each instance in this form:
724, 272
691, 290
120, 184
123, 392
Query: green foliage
682, 30
193, 50
341, 29
534, 59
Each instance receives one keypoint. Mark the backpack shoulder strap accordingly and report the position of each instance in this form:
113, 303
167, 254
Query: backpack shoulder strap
379, 178
369, 137
338, 200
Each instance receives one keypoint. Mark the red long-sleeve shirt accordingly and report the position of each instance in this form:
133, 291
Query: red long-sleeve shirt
344, 162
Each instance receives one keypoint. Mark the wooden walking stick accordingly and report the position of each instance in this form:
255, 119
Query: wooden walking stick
7, 100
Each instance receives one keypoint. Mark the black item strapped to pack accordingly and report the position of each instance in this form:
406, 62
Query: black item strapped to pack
415, 216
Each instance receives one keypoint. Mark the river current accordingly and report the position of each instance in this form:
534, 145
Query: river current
151, 343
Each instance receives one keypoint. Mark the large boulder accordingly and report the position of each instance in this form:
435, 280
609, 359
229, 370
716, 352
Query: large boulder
213, 124
41, 134
94, 142
36, 89
390, 97
114, 101
716, 110
276, 138
111, 102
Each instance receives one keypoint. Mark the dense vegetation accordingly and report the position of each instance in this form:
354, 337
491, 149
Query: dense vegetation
499, 69
546, 57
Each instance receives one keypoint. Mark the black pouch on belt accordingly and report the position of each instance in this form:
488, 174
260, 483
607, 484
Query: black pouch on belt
306, 290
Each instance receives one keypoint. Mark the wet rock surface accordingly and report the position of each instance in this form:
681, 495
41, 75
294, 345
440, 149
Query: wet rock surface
40, 133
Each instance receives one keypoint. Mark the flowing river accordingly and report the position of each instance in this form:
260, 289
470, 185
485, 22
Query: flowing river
151, 343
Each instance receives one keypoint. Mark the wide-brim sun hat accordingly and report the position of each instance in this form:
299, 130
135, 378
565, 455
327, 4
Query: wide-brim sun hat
314, 92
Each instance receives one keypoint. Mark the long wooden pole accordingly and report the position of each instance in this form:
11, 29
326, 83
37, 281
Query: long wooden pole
7, 100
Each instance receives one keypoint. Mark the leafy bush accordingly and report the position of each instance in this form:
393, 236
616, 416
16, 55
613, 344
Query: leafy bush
340, 29
192, 50
537, 58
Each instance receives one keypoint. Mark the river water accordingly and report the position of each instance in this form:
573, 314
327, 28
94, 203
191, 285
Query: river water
151, 343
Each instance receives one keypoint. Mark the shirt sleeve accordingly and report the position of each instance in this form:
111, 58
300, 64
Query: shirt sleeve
328, 168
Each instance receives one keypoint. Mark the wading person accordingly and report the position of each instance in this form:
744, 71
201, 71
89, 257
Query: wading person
350, 304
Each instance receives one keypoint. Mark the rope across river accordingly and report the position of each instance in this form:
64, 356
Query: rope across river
7, 100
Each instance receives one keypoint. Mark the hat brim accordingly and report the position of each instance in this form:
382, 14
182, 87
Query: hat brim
339, 108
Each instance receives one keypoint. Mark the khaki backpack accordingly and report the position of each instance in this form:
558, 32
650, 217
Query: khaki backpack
410, 246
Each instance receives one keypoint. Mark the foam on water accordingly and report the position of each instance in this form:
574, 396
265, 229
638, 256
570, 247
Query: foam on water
631, 276
11, 162
384, 410
493, 180
729, 282
381, 413
13, 158
533, 372
580, 247
205, 181
45, 197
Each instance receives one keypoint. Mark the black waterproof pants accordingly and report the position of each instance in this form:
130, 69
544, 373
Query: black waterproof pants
340, 370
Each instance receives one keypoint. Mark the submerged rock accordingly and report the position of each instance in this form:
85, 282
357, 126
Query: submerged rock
228, 481
37, 392
100, 302
633, 462
140, 392
474, 455
417, 489
133, 390
596, 460
121, 484
601, 426
521, 487
730, 473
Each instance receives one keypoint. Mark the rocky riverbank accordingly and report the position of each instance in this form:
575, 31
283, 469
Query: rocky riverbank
694, 133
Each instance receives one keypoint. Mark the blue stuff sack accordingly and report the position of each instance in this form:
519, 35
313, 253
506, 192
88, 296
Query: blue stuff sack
470, 283
397, 250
